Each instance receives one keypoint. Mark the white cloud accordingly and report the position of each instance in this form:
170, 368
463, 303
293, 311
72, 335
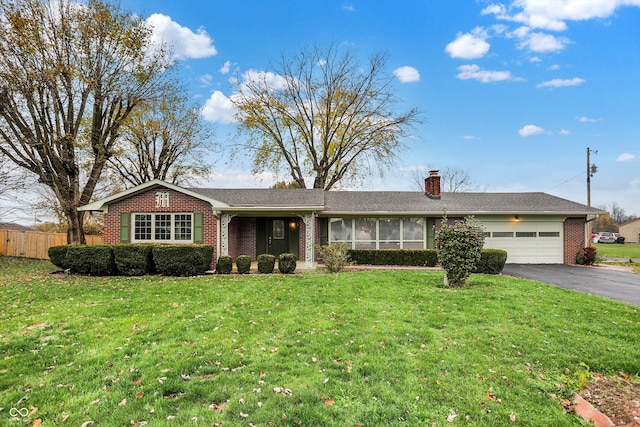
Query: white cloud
473, 71
407, 74
225, 67
626, 157
529, 130
554, 67
206, 80
552, 14
470, 137
349, 8
218, 108
184, 42
539, 42
535, 59
564, 132
562, 82
585, 119
469, 45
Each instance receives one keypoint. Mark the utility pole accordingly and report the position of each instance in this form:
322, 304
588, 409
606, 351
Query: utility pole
591, 169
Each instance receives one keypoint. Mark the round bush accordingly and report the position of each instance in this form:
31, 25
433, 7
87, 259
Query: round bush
224, 264
243, 263
266, 263
287, 263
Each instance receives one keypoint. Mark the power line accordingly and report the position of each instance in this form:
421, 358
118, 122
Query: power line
565, 181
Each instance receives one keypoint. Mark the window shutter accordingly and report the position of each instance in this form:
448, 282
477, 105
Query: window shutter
198, 227
125, 227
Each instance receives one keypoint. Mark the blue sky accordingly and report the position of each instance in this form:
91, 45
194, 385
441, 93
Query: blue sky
512, 92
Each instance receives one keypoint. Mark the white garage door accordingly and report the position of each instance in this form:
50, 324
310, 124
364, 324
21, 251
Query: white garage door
526, 241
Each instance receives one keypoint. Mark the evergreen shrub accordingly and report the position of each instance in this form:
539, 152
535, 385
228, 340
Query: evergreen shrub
243, 264
266, 263
287, 263
224, 264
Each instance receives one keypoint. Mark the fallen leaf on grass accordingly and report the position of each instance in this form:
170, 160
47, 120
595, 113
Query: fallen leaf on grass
175, 304
513, 417
87, 424
329, 402
490, 396
218, 406
123, 402
95, 401
452, 416
139, 395
36, 422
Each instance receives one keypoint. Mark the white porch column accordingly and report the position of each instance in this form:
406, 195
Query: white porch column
309, 238
225, 219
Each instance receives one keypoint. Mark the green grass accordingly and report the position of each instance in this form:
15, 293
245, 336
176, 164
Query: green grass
618, 251
373, 348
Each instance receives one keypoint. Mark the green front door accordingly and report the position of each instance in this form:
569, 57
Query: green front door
277, 236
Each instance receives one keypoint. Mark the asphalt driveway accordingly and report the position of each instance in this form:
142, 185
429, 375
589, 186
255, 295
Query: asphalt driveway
605, 282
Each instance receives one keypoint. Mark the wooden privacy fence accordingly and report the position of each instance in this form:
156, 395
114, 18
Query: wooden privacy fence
35, 244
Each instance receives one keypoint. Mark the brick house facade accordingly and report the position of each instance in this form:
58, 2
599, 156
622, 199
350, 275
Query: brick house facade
532, 227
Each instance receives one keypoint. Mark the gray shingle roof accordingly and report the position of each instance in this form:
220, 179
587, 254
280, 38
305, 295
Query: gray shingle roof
465, 203
264, 197
395, 202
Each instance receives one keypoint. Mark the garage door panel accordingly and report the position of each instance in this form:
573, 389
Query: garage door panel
547, 249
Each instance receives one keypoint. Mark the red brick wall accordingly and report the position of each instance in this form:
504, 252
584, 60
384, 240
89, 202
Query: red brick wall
244, 235
573, 238
146, 202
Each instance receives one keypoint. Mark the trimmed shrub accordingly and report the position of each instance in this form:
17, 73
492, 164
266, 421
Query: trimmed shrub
459, 249
409, 257
182, 260
224, 264
491, 261
95, 260
287, 263
266, 263
58, 256
243, 263
133, 259
335, 256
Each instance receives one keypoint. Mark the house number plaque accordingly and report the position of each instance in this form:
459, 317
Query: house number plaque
162, 199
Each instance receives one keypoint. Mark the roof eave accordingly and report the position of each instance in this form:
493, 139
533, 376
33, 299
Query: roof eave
103, 204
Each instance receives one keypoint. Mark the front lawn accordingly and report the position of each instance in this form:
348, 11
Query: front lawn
313, 349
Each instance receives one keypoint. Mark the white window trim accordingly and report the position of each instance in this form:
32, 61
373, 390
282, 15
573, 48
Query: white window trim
153, 228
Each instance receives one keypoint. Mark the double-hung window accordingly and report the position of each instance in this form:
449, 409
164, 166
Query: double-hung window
163, 227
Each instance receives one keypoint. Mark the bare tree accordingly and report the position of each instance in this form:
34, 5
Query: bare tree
320, 114
70, 75
452, 180
164, 139
618, 214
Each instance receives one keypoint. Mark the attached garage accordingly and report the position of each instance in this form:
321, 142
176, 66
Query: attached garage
527, 240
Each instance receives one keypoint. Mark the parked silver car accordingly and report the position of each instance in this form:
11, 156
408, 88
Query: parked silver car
605, 237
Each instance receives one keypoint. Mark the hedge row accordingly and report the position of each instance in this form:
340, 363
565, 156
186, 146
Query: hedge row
410, 257
491, 262
133, 260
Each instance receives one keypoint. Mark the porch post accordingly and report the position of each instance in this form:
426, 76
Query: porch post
225, 219
309, 239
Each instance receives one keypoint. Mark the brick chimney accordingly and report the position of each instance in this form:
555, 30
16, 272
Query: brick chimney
432, 185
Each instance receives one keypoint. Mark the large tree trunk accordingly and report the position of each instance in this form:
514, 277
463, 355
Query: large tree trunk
75, 231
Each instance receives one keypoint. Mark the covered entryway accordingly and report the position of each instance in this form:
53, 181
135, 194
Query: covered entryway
527, 240
276, 236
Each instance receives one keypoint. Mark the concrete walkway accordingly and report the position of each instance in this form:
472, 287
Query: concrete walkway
603, 281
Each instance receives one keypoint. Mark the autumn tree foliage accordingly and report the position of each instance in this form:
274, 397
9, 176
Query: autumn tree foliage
70, 75
162, 139
323, 115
